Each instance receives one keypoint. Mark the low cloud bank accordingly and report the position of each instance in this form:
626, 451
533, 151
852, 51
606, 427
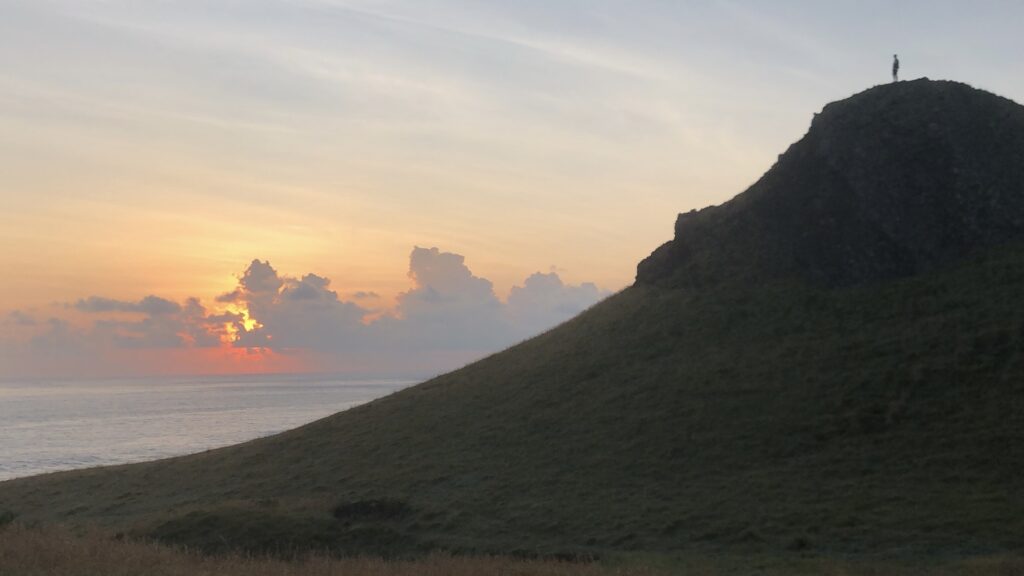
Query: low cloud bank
448, 316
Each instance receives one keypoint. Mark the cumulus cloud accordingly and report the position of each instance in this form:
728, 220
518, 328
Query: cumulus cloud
544, 301
448, 309
448, 306
260, 278
296, 312
447, 317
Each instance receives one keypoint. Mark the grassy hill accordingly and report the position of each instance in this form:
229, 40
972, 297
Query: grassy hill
768, 394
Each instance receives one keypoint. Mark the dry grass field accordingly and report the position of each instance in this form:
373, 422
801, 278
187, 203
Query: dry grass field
60, 552
56, 552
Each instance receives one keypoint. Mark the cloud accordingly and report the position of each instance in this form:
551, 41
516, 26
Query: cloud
191, 326
165, 324
448, 306
58, 336
19, 318
444, 275
544, 301
448, 309
198, 328
152, 305
296, 312
310, 287
235, 295
451, 308
260, 278
447, 317
156, 332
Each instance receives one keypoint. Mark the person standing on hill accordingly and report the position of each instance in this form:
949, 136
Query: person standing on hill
895, 68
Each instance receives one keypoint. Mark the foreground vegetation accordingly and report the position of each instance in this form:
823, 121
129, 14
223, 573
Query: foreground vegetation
59, 552
55, 552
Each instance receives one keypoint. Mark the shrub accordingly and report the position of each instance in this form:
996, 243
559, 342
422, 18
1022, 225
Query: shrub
375, 509
6, 517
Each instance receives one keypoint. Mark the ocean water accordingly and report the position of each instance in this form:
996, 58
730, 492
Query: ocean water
49, 426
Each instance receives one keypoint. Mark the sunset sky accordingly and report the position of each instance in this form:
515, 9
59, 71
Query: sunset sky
396, 186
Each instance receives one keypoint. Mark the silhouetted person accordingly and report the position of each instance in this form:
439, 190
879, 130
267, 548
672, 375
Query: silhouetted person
895, 68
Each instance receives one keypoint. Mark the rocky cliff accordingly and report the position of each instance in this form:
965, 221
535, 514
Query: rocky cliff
893, 181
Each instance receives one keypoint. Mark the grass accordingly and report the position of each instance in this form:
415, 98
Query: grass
57, 552
778, 420
60, 552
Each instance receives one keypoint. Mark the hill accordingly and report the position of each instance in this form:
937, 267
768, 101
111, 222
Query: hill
828, 364
894, 181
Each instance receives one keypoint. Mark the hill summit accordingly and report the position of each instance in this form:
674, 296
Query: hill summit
893, 181
733, 401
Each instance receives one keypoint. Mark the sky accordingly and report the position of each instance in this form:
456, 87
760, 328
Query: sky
378, 186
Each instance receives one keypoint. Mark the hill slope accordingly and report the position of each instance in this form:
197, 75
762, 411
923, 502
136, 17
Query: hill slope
851, 386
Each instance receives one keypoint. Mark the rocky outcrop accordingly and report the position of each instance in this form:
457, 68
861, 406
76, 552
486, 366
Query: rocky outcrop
893, 181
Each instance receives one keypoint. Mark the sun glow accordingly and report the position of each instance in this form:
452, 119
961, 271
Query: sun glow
229, 359
232, 333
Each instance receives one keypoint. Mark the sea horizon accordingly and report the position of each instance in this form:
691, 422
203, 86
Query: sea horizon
51, 425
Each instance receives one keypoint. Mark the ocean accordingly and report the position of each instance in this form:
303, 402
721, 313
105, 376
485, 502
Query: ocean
50, 426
